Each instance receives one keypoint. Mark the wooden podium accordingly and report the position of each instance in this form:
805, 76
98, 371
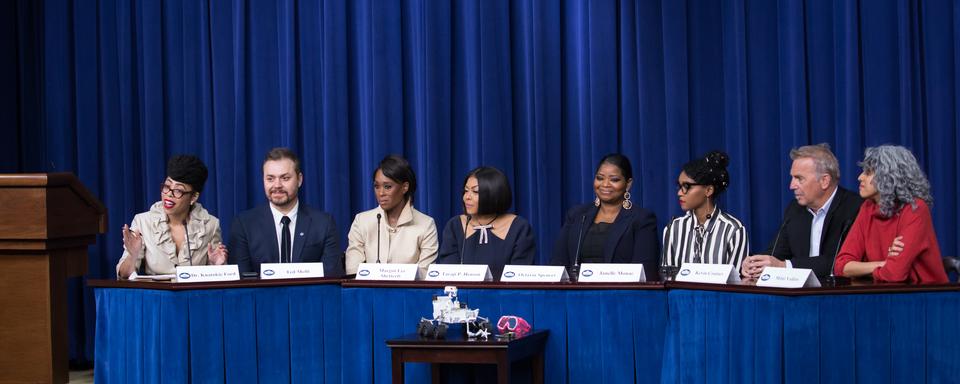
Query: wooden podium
46, 223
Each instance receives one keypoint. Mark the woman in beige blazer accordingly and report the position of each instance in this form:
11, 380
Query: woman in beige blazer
406, 236
176, 223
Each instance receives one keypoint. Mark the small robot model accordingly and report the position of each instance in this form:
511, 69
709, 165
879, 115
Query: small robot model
448, 310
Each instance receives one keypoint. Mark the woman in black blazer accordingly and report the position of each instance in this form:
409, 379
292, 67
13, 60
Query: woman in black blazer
612, 229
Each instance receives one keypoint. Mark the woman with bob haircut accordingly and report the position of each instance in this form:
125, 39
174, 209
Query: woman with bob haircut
892, 238
486, 233
394, 231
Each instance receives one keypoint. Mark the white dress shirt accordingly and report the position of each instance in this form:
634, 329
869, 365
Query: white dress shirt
816, 227
278, 227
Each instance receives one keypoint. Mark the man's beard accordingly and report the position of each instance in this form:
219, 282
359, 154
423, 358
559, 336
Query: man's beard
281, 201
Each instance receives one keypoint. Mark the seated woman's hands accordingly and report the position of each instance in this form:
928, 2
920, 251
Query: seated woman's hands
216, 255
132, 241
896, 247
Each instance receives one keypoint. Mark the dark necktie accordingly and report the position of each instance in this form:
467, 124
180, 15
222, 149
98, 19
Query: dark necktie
285, 240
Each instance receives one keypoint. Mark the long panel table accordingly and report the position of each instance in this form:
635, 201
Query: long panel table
327, 330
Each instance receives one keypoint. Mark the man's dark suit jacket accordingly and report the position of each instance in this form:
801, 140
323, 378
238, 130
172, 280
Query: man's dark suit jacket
632, 238
794, 244
253, 240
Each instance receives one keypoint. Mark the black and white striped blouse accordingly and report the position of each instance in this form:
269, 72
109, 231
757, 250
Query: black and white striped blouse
721, 240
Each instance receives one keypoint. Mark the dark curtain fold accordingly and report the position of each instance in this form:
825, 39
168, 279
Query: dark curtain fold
542, 89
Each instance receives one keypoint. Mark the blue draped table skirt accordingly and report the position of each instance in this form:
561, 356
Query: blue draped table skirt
602, 336
326, 333
240, 335
722, 337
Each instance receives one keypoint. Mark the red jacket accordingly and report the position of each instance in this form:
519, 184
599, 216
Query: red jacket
872, 235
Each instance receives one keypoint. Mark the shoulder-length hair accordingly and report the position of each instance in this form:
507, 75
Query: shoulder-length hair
495, 196
897, 177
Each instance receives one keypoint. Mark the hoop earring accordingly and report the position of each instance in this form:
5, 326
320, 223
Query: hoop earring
627, 204
596, 201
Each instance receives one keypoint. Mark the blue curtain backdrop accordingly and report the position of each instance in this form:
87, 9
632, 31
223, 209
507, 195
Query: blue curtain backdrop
541, 89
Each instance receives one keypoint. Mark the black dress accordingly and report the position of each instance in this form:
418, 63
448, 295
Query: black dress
517, 248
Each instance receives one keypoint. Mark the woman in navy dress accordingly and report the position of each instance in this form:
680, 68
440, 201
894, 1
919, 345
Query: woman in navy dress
611, 229
493, 236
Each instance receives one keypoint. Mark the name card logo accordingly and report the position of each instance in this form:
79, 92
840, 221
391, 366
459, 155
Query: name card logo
268, 272
509, 274
587, 273
434, 273
364, 272
684, 272
184, 275
765, 277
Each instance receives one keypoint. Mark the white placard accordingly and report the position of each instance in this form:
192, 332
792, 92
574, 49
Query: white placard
708, 273
534, 273
203, 273
382, 271
459, 272
787, 278
611, 273
269, 271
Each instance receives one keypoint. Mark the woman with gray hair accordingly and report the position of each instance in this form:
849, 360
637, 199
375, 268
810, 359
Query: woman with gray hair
892, 238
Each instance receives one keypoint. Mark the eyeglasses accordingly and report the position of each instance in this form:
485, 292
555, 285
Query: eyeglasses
177, 193
685, 187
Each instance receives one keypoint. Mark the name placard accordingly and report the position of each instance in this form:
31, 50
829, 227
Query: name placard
611, 273
534, 273
269, 271
381, 271
787, 278
203, 273
708, 273
459, 272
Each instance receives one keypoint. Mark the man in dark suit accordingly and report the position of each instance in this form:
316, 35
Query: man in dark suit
814, 222
285, 230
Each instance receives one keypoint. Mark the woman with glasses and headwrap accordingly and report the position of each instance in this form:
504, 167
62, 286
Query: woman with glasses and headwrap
176, 230
705, 234
892, 238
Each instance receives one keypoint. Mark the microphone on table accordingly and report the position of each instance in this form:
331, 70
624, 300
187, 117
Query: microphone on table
834, 280
464, 244
378, 238
575, 269
776, 240
773, 251
186, 234
667, 272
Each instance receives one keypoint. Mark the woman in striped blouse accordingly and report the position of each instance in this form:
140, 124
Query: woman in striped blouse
705, 234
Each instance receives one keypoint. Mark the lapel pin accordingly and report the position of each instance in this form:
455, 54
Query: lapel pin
301, 233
